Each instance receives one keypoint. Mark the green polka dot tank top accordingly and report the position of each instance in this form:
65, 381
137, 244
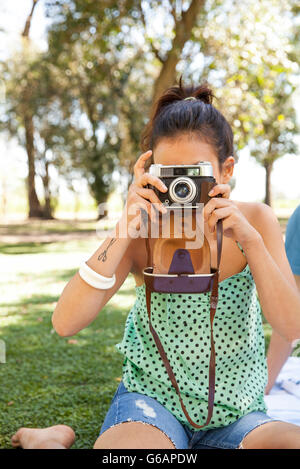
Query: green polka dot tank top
182, 323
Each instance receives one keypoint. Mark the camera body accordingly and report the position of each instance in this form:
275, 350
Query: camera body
187, 184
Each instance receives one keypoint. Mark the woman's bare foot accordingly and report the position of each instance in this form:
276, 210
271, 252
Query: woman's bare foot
56, 437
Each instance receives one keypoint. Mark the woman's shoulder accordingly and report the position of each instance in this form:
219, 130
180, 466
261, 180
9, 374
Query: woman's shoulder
254, 209
260, 215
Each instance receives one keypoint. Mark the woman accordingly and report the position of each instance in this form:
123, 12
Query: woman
145, 411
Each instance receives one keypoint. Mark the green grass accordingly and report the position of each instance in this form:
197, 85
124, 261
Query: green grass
48, 379
36, 226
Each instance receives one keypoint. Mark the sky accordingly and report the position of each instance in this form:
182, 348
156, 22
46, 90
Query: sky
250, 177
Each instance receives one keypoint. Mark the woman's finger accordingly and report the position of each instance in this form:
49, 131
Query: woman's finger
142, 205
218, 214
139, 167
149, 194
216, 202
147, 178
223, 189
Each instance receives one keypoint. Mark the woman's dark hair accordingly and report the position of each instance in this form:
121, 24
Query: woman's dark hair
173, 115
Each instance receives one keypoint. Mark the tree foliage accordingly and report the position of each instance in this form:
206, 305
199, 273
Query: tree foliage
250, 48
91, 93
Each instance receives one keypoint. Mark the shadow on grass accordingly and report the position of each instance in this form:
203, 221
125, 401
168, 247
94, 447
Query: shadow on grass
33, 300
61, 246
49, 276
51, 379
24, 248
58, 275
55, 226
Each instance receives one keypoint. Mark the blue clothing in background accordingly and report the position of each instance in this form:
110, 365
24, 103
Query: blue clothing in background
292, 241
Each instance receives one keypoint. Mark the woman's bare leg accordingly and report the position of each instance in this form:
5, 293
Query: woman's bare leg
134, 435
273, 435
56, 437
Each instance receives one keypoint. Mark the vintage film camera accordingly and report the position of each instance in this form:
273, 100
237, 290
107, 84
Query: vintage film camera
188, 188
187, 184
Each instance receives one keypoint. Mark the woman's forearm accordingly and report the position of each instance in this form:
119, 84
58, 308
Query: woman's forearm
79, 303
278, 352
279, 299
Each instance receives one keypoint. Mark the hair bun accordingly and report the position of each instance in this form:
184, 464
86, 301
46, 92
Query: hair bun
201, 92
204, 93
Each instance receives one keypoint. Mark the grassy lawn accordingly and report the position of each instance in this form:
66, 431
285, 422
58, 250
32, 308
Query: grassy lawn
48, 379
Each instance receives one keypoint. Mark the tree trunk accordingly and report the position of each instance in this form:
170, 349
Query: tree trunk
35, 209
183, 29
4, 197
268, 195
27, 26
48, 215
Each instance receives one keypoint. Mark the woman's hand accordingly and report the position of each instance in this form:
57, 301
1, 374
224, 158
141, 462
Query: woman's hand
141, 197
235, 224
220, 189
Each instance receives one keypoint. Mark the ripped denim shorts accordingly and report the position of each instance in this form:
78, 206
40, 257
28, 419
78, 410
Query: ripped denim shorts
129, 406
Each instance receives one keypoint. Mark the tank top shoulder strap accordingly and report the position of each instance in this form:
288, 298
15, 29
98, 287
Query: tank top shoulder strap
238, 244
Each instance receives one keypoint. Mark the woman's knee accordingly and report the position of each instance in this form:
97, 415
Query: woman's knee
273, 435
133, 435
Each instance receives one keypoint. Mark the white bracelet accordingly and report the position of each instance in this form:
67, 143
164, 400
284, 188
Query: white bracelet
94, 279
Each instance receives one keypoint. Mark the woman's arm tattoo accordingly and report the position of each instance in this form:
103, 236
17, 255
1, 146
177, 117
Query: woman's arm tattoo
103, 256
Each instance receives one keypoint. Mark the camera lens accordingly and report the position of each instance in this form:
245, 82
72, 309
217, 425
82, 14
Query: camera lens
182, 190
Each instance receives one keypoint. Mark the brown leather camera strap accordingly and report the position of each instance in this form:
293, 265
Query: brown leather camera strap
213, 307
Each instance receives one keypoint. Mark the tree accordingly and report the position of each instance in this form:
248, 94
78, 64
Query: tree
183, 23
26, 115
106, 52
31, 112
251, 59
95, 87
